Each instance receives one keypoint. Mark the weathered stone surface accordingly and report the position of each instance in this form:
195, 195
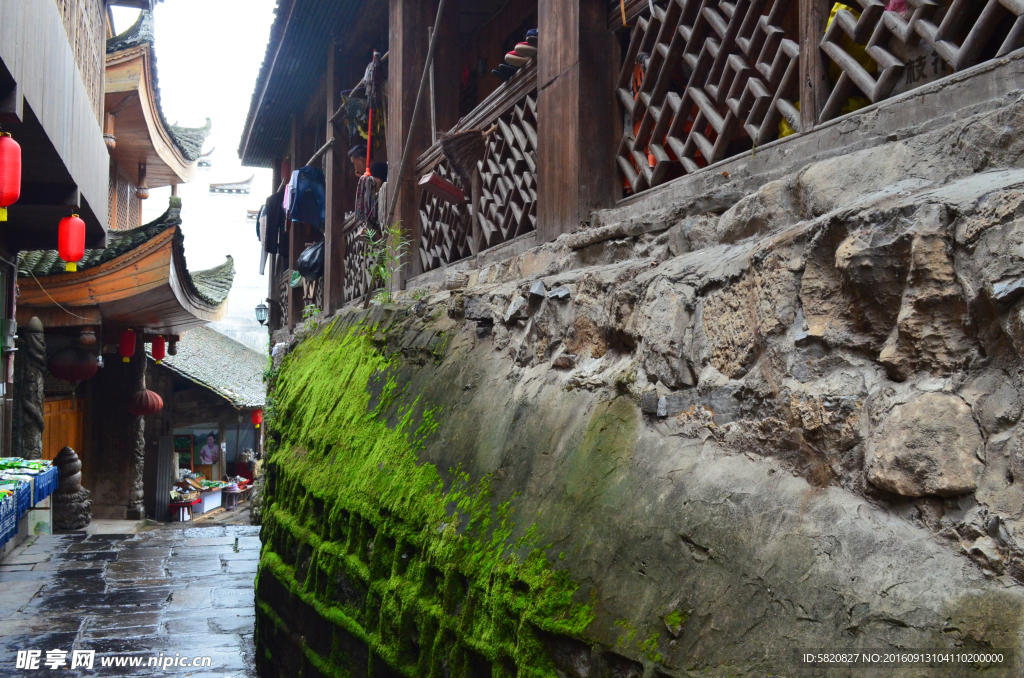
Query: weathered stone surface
537, 290
560, 293
516, 309
927, 446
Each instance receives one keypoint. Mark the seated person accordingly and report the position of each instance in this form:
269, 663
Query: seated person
357, 154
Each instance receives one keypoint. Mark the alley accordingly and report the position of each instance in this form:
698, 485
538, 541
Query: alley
186, 592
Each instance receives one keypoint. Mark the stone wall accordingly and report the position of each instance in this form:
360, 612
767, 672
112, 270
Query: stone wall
787, 420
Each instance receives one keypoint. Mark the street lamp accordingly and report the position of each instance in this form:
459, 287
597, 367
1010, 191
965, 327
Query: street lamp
262, 312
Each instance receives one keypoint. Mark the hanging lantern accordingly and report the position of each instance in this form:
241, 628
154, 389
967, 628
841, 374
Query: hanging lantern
71, 241
145, 403
257, 417
73, 363
159, 349
262, 312
126, 345
10, 173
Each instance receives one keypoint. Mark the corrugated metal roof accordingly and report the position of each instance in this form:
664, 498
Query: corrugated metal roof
294, 62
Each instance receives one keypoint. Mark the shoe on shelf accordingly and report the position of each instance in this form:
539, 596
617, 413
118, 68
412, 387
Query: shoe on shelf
525, 49
504, 71
513, 59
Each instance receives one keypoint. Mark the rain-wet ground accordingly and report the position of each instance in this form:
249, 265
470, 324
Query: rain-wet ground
162, 593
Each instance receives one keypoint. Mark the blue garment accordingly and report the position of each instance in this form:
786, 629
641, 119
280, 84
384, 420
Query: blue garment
308, 196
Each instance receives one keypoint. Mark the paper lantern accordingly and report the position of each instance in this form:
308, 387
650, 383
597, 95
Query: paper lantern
126, 345
10, 173
71, 241
257, 417
145, 403
159, 349
73, 363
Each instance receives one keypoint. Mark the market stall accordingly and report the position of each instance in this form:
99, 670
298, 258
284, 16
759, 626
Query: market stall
25, 489
194, 495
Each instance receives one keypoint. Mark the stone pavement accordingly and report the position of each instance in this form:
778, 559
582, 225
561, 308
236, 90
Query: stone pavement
185, 592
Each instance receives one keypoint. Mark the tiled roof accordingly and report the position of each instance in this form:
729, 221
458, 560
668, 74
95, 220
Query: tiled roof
221, 364
48, 262
188, 140
211, 285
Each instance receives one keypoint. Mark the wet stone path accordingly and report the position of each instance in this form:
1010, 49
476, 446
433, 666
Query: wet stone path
168, 593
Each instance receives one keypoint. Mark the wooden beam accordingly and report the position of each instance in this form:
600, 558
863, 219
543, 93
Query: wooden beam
577, 65
814, 85
52, 317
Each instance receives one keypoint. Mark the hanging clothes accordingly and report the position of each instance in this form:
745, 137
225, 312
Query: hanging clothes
261, 229
309, 196
274, 213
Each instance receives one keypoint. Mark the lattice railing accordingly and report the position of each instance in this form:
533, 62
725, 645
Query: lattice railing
704, 80
508, 200
284, 294
909, 46
356, 276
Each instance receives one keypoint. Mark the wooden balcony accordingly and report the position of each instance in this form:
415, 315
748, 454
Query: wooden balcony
508, 200
705, 80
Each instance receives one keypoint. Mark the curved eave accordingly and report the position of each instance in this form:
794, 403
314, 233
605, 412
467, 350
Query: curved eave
139, 130
147, 287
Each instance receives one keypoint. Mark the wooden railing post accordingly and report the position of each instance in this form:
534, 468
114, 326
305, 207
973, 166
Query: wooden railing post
577, 63
334, 216
814, 86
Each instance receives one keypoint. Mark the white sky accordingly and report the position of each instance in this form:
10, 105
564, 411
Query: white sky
208, 56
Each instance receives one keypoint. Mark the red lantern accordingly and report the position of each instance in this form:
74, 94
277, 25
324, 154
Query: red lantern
257, 417
73, 363
10, 173
126, 346
71, 241
159, 349
145, 403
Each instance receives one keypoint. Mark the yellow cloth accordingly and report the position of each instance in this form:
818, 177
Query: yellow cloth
849, 46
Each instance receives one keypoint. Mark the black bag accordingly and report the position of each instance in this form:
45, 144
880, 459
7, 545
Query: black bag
311, 262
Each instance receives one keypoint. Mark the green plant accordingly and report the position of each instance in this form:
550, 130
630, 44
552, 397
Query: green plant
385, 252
420, 293
311, 315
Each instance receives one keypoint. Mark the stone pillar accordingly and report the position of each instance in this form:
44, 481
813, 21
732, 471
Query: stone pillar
29, 368
137, 432
72, 508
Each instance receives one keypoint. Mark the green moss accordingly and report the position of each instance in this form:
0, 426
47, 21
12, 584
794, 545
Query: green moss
421, 567
649, 648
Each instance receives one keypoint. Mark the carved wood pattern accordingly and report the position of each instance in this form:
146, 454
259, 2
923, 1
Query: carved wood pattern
959, 36
356, 276
508, 172
717, 72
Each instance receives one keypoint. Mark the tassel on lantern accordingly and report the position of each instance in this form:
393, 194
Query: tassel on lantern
159, 350
10, 173
71, 241
126, 345
257, 417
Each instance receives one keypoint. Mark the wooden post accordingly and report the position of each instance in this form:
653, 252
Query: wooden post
295, 242
577, 65
814, 86
407, 49
334, 241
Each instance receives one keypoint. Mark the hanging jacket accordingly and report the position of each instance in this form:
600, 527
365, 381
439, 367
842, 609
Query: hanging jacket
274, 212
308, 196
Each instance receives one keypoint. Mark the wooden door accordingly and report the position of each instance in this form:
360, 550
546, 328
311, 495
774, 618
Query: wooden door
63, 423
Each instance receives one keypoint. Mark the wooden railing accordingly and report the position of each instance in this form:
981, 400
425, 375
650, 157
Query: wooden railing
357, 278
508, 200
86, 32
704, 80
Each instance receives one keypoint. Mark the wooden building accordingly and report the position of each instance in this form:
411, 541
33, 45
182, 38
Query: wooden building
134, 278
140, 281
628, 102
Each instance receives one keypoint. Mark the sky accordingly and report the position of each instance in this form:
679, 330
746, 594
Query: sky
208, 55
